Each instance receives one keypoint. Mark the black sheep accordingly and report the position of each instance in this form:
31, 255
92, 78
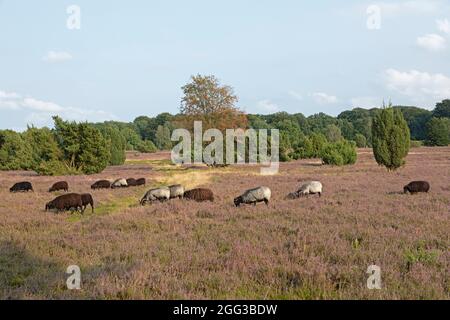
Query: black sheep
131, 182
102, 184
62, 185
417, 187
66, 202
21, 187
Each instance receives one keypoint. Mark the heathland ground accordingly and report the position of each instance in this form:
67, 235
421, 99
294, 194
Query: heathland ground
310, 248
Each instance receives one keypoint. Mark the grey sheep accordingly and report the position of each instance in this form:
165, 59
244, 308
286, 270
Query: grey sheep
253, 196
160, 194
312, 187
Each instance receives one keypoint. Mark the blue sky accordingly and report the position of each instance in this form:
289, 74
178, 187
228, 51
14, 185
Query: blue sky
131, 58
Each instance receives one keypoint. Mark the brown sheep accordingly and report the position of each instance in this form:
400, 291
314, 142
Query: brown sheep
102, 184
66, 202
87, 199
417, 187
141, 182
62, 185
131, 182
199, 195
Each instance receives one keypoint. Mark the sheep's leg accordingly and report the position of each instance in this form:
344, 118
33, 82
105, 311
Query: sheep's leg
266, 202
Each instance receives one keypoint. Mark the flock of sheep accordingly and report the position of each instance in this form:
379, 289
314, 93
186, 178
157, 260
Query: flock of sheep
79, 202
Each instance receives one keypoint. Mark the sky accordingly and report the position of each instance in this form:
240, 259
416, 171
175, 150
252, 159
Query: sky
131, 58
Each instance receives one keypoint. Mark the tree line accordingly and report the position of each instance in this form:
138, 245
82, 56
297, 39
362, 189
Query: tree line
87, 148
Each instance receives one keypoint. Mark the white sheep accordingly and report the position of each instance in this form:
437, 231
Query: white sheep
159, 194
176, 191
120, 183
254, 196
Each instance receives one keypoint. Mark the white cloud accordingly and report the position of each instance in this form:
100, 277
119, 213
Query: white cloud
432, 42
39, 112
365, 102
324, 98
296, 95
57, 56
268, 106
421, 87
443, 26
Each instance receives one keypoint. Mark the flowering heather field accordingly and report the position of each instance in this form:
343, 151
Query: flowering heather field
315, 248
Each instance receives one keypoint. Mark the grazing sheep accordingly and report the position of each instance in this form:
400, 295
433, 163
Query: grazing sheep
176, 191
62, 185
102, 184
21, 187
254, 196
119, 183
292, 196
141, 182
87, 199
312, 187
66, 202
199, 195
131, 182
159, 194
417, 187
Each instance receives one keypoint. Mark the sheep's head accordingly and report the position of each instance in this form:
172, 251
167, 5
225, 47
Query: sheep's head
238, 201
49, 206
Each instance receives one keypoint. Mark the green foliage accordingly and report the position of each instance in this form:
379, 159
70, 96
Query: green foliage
162, 138
319, 142
117, 144
360, 140
340, 153
438, 132
333, 133
146, 147
391, 138
84, 147
442, 109
43, 146
55, 168
416, 144
417, 119
14, 152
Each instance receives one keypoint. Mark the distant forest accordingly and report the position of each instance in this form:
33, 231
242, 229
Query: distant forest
87, 148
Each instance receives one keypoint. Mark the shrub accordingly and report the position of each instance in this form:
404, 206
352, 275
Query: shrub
416, 144
360, 140
340, 153
390, 138
146, 146
56, 168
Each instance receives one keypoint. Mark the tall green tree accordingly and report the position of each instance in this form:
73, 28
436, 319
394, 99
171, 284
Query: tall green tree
391, 138
117, 144
438, 132
43, 146
14, 152
84, 147
442, 109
